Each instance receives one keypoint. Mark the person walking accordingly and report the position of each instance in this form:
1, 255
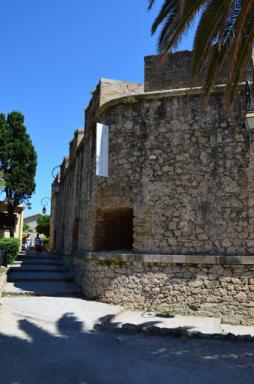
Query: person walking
37, 243
27, 243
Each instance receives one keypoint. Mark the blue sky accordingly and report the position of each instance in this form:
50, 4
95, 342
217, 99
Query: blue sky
53, 53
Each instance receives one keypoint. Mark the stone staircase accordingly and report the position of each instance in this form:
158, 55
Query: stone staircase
40, 275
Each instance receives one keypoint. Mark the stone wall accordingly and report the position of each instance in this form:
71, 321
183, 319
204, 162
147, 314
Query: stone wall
3, 279
208, 286
184, 168
107, 90
181, 182
174, 71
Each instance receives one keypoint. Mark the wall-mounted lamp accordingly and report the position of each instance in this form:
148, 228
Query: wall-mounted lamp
44, 203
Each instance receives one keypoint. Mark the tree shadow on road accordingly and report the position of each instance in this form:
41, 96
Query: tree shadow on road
75, 356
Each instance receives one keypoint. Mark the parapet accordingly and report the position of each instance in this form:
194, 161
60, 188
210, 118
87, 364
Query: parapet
63, 167
113, 89
108, 90
74, 143
174, 71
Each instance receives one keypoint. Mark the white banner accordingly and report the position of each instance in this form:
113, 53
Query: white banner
102, 146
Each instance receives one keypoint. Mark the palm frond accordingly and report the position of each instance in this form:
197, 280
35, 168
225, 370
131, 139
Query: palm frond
208, 31
217, 57
243, 53
168, 9
225, 34
174, 28
150, 4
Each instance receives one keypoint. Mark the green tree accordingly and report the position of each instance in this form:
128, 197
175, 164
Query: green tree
43, 225
25, 227
1, 180
225, 33
18, 162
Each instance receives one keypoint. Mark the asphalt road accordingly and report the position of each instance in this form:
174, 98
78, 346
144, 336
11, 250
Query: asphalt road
59, 348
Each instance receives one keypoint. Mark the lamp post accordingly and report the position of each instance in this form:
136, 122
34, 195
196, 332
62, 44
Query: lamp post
44, 202
55, 171
249, 111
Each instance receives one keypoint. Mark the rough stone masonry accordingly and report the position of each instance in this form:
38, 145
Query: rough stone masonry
173, 224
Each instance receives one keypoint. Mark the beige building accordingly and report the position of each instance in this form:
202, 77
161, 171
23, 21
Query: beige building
18, 222
32, 222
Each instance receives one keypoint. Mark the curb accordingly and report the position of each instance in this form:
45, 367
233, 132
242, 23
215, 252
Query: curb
3, 280
106, 324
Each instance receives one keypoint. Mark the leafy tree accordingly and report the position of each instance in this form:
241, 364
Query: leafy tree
43, 225
18, 162
25, 227
1, 180
225, 33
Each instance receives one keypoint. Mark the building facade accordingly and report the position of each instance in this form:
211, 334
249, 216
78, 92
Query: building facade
32, 222
174, 220
18, 221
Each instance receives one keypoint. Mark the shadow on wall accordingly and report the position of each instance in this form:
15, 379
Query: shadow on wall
81, 357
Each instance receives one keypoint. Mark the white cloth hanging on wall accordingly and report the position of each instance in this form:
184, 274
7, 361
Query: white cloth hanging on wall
102, 148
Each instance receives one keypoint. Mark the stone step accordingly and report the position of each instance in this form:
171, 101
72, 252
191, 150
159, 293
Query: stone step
20, 275
39, 257
37, 267
37, 261
61, 289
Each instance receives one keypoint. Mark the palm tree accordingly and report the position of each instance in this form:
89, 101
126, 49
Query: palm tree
225, 33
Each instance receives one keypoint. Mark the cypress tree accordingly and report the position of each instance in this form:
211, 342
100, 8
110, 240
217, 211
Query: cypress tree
18, 162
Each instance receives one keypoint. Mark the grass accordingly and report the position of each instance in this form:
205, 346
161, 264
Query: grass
112, 263
165, 311
130, 100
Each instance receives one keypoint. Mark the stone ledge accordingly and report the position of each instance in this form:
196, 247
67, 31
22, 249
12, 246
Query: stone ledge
3, 280
166, 259
160, 94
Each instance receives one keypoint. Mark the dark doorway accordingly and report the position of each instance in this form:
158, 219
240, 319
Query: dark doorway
114, 229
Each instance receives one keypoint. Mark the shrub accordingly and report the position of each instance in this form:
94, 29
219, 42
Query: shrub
11, 247
43, 225
130, 100
25, 227
44, 240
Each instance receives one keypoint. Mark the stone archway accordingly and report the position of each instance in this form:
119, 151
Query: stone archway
113, 229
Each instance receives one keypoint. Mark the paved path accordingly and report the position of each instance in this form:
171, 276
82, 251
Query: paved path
52, 340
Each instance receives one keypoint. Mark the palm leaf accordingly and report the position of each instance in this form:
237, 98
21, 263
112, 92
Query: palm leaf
181, 24
225, 30
207, 31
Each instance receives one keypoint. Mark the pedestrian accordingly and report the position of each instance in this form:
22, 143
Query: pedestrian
27, 243
37, 243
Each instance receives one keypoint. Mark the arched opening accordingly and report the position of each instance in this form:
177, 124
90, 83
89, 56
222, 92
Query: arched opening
113, 229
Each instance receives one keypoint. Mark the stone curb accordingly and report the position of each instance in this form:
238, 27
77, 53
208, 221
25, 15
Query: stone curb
3, 280
167, 259
106, 324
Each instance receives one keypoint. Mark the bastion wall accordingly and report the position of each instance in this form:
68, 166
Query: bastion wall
180, 186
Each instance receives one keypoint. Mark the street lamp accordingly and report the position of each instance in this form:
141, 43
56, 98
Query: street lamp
249, 112
44, 202
55, 171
